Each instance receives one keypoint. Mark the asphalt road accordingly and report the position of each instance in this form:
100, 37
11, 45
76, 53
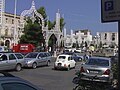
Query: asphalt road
48, 78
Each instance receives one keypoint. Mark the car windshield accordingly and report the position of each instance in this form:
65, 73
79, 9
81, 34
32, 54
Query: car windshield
98, 62
31, 55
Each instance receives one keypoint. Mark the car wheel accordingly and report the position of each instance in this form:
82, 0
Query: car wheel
18, 67
48, 63
34, 65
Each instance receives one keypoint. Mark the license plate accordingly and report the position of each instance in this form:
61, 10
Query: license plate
93, 71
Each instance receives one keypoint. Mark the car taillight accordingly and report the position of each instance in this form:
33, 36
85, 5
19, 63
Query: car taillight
65, 65
107, 72
82, 69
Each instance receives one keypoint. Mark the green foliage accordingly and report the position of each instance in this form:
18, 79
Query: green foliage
62, 23
32, 34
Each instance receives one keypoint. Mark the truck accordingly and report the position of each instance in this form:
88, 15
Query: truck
23, 48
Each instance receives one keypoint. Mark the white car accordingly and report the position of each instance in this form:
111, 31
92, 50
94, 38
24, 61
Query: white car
64, 62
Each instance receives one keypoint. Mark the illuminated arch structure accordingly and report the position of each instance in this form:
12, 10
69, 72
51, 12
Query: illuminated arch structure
46, 33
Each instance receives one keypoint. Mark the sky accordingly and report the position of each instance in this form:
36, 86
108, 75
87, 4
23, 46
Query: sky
78, 14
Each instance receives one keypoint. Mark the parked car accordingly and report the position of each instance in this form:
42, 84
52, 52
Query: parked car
10, 61
76, 56
98, 67
78, 50
64, 61
35, 59
10, 82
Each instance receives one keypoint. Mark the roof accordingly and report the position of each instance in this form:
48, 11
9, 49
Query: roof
101, 58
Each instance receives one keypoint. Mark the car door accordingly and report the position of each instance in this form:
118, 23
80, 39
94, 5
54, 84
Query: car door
4, 65
12, 60
41, 58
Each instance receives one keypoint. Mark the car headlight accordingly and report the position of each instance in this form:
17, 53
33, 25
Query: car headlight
28, 62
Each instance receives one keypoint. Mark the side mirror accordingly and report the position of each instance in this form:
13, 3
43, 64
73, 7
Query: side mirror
39, 57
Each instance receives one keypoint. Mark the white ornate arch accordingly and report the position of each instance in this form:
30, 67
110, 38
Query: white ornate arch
32, 11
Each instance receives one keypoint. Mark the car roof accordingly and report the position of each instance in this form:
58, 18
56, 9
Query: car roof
6, 77
64, 55
100, 58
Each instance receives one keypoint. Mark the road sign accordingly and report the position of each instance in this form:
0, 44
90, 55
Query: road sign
110, 10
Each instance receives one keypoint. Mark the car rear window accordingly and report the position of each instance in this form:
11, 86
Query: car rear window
98, 62
61, 57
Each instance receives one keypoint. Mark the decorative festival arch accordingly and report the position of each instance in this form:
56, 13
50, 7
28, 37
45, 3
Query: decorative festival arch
46, 33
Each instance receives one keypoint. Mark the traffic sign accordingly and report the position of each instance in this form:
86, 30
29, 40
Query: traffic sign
110, 10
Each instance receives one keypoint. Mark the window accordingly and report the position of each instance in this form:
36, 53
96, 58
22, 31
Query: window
31, 55
12, 21
69, 58
17, 86
61, 57
3, 57
11, 57
113, 36
19, 56
41, 55
6, 32
6, 20
105, 36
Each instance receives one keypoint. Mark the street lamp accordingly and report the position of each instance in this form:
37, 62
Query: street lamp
15, 27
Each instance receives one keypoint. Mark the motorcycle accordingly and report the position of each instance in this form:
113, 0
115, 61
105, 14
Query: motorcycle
89, 84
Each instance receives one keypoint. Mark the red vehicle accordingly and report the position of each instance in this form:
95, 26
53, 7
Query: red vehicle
23, 48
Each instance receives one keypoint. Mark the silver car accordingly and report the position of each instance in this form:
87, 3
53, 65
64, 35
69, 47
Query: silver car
98, 67
35, 59
11, 61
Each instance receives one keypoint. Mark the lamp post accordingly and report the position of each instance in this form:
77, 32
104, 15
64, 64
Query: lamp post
15, 26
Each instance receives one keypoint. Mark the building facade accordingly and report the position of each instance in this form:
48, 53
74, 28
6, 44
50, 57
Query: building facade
81, 37
108, 38
10, 30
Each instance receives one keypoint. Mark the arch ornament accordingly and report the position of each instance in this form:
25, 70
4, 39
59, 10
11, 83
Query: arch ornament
32, 11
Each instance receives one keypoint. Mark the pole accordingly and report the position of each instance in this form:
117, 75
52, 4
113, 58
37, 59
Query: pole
15, 23
118, 55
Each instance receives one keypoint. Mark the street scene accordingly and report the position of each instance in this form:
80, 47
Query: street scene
49, 45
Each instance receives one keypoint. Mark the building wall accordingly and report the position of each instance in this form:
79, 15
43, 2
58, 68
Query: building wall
7, 30
80, 36
108, 37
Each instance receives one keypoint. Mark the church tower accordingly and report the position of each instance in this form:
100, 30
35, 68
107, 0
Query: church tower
57, 26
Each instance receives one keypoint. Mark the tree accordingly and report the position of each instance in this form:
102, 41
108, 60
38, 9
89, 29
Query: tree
32, 34
62, 23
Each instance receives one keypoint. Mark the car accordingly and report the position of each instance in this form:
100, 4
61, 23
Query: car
11, 82
76, 56
35, 59
9, 61
98, 67
64, 61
